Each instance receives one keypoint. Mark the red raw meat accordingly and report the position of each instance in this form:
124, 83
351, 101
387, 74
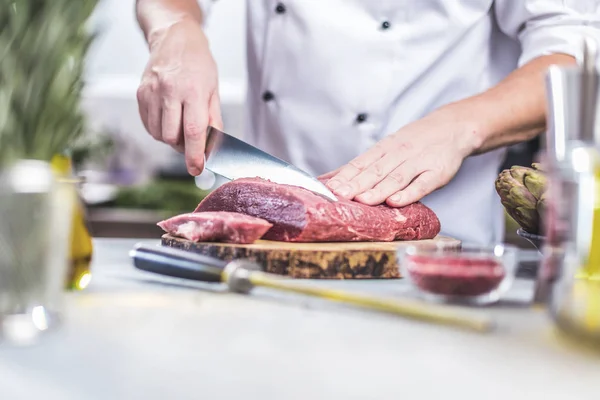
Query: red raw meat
221, 226
299, 215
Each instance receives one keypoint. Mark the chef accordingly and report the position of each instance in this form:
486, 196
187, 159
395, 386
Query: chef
392, 101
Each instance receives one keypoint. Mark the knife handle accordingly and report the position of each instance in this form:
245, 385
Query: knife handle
177, 263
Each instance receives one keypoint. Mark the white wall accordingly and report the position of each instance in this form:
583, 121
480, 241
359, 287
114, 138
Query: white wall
119, 55
121, 49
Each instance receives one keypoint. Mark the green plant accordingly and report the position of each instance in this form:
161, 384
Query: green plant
43, 47
95, 148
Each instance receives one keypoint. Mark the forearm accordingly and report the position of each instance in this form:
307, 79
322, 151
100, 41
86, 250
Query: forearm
156, 16
512, 111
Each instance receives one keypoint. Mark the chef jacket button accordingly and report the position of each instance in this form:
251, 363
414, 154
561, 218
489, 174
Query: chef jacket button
362, 117
280, 9
268, 95
385, 25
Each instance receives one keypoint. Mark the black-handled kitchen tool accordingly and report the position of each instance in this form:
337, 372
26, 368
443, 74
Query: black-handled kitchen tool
183, 264
242, 275
171, 262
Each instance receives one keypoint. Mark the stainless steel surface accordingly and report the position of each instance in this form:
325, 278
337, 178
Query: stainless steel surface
563, 116
237, 274
571, 155
136, 335
575, 156
589, 90
572, 202
233, 158
563, 121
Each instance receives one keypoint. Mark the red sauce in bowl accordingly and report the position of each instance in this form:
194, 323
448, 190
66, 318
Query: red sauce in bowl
455, 275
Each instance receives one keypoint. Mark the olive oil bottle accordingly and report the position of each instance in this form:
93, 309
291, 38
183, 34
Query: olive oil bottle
587, 282
591, 271
577, 302
81, 247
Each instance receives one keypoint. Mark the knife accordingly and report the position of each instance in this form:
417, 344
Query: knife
233, 158
241, 276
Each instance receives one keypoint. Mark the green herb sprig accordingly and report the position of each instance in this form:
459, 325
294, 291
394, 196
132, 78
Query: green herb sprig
43, 48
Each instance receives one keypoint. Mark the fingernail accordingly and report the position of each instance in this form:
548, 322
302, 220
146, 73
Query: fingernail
396, 198
194, 171
343, 190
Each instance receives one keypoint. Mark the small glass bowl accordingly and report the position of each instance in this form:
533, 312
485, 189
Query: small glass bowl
470, 274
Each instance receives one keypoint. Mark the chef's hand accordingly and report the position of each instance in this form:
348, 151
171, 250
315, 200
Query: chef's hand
178, 96
407, 165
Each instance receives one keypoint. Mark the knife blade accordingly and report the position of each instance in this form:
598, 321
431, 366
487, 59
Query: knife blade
233, 158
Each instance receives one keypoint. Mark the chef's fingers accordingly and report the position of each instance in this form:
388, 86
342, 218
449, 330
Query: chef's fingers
150, 110
420, 187
394, 181
142, 100
171, 123
180, 145
339, 183
214, 112
143, 110
195, 123
150, 104
378, 171
155, 118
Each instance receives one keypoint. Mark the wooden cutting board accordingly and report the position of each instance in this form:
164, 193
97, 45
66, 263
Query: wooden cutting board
348, 260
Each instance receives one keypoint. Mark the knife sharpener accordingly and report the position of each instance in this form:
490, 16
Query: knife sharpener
242, 275
197, 267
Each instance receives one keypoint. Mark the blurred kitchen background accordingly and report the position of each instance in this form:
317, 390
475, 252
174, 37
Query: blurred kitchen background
133, 181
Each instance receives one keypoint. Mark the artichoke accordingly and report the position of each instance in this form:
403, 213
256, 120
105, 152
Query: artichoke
536, 182
541, 206
522, 191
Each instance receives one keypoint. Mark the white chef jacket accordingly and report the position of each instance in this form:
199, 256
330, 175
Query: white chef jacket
327, 79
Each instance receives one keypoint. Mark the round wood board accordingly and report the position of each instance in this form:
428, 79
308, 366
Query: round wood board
331, 260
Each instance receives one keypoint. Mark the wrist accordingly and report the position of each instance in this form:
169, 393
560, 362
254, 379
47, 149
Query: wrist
465, 119
156, 36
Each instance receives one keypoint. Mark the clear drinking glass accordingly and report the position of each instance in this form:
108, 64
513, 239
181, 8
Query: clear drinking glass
35, 222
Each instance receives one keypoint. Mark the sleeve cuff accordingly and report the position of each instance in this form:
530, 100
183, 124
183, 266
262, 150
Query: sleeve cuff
566, 39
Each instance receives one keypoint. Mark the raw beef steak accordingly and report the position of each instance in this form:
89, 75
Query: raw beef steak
221, 226
299, 215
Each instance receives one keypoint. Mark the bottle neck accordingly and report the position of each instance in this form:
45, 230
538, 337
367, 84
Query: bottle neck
62, 164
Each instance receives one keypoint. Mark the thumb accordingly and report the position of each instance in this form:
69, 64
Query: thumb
214, 111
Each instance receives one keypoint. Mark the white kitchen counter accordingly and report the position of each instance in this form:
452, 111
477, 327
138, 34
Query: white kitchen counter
135, 335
